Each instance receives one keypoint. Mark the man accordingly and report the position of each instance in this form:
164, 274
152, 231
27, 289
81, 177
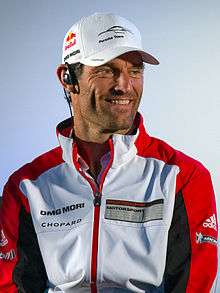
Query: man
111, 209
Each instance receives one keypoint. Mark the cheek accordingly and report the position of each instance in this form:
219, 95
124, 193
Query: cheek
101, 87
86, 87
138, 87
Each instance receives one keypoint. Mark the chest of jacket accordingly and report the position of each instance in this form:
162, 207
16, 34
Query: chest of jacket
122, 239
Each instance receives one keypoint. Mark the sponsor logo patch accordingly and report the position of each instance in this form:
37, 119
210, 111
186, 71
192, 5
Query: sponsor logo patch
62, 210
71, 54
211, 223
60, 224
70, 40
3, 239
8, 255
118, 32
200, 238
135, 212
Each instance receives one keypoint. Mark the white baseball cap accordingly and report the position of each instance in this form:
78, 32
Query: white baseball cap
101, 37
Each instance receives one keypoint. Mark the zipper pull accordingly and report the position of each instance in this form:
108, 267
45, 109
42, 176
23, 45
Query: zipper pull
97, 199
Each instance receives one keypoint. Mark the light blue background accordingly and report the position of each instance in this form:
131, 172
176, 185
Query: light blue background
181, 101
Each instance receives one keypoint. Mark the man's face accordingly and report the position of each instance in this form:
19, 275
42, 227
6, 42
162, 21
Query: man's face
110, 94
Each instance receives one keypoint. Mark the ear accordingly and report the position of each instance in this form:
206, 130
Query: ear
61, 69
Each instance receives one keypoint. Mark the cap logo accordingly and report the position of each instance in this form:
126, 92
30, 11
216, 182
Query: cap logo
70, 40
119, 32
116, 29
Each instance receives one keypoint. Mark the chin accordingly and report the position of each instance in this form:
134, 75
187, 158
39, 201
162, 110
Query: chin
120, 127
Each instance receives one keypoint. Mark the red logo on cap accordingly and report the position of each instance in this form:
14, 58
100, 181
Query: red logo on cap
70, 40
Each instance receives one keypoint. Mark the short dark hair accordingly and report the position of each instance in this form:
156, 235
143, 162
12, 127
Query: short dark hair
77, 68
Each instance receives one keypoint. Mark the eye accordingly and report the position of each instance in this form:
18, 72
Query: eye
136, 72
105, 72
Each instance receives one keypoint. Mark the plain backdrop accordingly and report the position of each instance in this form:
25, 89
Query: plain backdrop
181, 99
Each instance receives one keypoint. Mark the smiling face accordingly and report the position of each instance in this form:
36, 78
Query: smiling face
109, 95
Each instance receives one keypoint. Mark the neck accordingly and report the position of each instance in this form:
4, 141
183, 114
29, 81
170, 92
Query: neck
92, 143
92, 153
91, 133
91, 150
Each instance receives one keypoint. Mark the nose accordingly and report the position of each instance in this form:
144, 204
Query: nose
123, 82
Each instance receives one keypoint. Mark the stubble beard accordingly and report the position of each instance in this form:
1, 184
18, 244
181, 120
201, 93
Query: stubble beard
118, 122
109, 122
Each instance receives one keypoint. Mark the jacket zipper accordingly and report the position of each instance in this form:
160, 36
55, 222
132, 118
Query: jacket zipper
95, 239
97, 203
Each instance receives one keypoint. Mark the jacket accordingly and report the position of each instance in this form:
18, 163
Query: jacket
148, 225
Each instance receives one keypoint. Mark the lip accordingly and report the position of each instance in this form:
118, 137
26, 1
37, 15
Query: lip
113, 102
119, 108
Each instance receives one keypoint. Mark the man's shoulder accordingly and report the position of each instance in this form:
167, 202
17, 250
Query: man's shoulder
37, 166
161, 150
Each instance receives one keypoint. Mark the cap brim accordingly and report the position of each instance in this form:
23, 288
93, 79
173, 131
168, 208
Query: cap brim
107, 55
